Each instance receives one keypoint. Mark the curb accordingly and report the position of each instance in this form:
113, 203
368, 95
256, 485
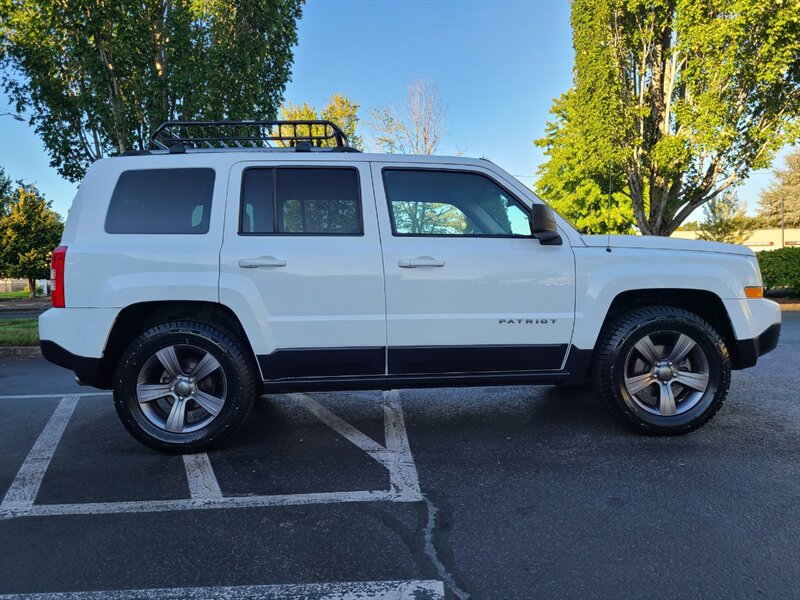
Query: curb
20, 352
793, 307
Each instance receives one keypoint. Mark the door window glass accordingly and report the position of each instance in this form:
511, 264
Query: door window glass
311, 201
258, 202
321, 201
427, 202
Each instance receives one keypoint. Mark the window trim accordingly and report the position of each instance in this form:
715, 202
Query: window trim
274, 169
210, 202
513, 197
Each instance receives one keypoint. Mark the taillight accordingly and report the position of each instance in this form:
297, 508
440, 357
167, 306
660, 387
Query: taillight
57, 276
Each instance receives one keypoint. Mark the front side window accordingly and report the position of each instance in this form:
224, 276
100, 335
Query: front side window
161, 201
428, 202
310, 201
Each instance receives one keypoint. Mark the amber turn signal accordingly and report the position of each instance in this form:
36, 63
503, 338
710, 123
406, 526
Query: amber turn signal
754, 291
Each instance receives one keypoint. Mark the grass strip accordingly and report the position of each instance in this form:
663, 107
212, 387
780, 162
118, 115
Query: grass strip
19, 332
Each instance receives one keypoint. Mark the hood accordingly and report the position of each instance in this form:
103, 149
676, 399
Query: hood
654, 242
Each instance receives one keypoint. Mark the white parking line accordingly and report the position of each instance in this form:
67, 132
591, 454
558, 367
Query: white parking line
44, 396
356, 590
203, 483
25, 486
403, 473
396, 456
343, 428
148, 506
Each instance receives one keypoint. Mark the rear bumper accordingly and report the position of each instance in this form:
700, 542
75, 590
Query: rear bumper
748, 351
87, 370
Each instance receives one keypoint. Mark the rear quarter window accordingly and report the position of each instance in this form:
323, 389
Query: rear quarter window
161, 201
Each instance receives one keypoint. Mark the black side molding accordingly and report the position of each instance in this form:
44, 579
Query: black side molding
747, 351
87, 370
576, 370
408, 360
323, 362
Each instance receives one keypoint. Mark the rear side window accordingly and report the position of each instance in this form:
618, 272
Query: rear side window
161, 201
301, 201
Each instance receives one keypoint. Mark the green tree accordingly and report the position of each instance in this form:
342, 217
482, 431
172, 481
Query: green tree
340, 110
28, 233
98, 77
682, 97
574, 180
724, 220
785, 190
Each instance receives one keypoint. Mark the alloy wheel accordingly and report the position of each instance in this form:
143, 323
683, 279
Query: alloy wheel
181, 388
666, 373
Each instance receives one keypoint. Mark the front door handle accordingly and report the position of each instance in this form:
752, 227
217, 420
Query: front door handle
261, 261
420, 261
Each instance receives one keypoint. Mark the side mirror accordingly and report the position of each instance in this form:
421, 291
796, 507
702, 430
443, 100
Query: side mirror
543, 225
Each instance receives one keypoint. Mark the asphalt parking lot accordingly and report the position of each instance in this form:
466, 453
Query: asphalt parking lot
514, 492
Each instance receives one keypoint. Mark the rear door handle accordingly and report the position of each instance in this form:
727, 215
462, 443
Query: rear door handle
261, 261
420, 261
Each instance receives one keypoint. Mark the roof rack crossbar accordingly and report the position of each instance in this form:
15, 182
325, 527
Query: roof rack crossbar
247, 134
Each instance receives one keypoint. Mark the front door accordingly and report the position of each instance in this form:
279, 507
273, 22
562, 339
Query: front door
467, 288
301, 266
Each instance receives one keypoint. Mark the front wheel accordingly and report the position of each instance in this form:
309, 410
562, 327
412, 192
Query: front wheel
184, 386
662, 370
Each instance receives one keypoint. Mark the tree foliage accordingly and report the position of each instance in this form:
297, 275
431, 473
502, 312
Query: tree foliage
98, 77
575, 182
785, 190
417, 126
725, 220
340, 110
682, 97
29, 230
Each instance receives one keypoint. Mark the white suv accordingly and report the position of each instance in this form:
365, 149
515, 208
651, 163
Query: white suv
192, 278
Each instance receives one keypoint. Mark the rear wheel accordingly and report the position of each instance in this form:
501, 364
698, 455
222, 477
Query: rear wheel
184, 386
662, 370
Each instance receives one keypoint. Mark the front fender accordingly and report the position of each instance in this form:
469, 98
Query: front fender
602, 276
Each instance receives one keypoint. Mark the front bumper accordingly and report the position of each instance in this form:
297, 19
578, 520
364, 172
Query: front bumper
748, 351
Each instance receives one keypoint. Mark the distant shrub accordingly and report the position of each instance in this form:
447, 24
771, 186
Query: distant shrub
780, 269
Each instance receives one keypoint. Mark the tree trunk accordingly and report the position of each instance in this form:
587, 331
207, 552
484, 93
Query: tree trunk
31, 287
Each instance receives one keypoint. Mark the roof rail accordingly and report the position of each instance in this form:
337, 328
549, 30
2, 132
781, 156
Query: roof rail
249, 134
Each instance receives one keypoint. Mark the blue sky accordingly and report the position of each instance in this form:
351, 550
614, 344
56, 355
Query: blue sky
497, 65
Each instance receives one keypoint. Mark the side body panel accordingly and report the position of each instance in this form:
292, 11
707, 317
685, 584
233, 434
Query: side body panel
496, 304
111, 270
322, 314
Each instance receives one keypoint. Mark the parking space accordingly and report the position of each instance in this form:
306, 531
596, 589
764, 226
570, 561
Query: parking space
490, 493
293, 466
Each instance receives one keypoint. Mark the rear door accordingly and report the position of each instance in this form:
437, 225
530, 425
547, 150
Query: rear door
301, 266
467, 288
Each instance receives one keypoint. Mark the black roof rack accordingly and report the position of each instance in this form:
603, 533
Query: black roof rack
300, 135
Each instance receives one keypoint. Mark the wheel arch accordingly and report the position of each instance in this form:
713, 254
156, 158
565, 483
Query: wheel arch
138, 318
703, 303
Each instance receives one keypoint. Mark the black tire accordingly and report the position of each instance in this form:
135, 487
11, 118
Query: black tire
236, 371
617, 356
